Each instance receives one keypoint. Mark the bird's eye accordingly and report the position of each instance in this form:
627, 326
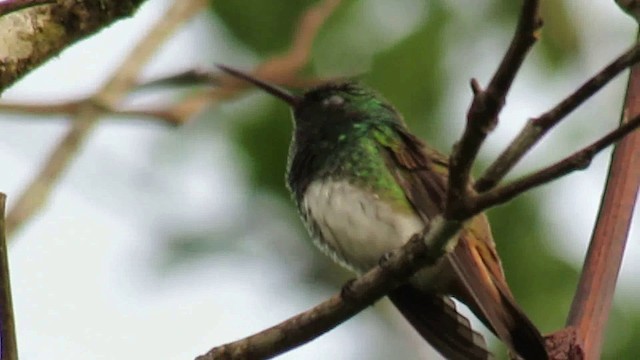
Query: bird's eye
333, 101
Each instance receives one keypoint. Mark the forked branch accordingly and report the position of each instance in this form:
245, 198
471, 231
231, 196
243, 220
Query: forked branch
536, 128
486, 105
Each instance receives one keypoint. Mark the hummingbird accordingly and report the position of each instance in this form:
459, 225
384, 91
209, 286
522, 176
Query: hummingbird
364, 185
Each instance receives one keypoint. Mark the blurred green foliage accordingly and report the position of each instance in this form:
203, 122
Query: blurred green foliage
265, 27
268, 172
559, 37
411, 73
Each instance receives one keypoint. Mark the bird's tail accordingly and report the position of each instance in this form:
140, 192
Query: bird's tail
487, 294
436, 319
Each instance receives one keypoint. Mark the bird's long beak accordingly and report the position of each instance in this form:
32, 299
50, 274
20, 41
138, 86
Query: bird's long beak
274, 90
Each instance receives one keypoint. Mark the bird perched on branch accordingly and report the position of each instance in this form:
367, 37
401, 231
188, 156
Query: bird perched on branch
364, 185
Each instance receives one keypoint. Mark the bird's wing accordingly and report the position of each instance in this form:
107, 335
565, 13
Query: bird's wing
423, 174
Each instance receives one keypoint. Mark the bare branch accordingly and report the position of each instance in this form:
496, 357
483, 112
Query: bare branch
64, 108
191, 77
536, 128
482, 116
594, 295
9, 348
576, 161
562, 345
73, 107
9, 6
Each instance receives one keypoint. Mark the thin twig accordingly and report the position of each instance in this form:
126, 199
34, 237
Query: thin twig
576, 161
37, 193
174, 114
9, 6
72, 108
281, 70
202, 77
284, 68
65, 108
536, 128
482, 116
9, 347
190, 77
594, 295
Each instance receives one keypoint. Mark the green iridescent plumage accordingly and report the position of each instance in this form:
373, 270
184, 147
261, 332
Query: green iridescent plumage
346, 148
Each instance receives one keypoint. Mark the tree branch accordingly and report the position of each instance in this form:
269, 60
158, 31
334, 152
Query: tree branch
594, 295
536, 128
9, 6
482, 116
577, 161
32, 36
175, 114
73, 107
9, 348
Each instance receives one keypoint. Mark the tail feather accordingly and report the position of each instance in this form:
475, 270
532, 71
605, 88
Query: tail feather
436, 319
490, 299
525, 337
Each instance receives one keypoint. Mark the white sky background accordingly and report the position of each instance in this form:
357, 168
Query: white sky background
80, 275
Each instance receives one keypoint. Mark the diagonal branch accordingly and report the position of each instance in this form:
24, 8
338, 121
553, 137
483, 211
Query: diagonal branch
174, 114
594, 295
577, 161
536, 128
482, 116
281, 70
38, 191
9, 348
284, 68
73, 107
9, 6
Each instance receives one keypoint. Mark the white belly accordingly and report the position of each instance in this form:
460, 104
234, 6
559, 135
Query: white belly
354, 226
